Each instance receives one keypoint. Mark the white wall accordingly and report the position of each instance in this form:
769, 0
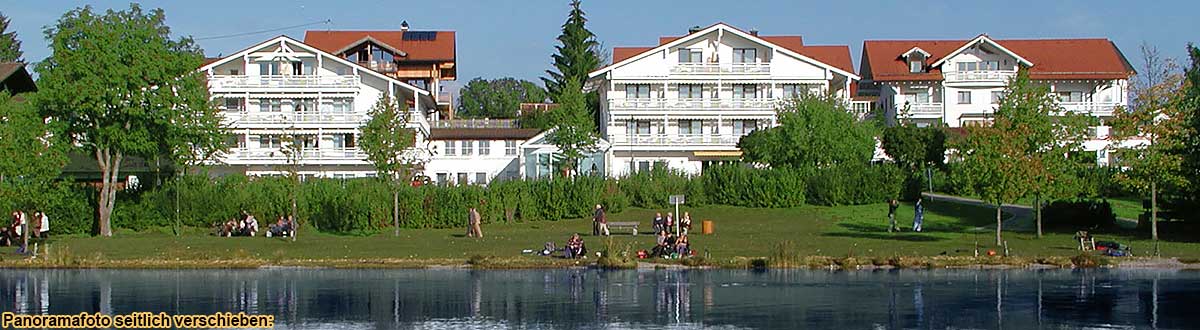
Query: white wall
496, 165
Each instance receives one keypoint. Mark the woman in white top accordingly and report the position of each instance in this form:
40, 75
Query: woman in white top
44, 230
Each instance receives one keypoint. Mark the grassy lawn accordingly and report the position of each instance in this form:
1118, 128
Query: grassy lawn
950, 229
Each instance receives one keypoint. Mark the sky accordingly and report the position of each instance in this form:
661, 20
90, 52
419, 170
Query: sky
509, 38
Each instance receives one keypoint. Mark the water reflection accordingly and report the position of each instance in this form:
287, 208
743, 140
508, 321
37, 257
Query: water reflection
655, 299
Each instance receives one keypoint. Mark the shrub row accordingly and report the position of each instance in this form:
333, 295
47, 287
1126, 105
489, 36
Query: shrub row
363, 206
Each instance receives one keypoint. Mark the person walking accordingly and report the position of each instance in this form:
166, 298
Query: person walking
600, 218
918, 215
893, 204
473, 221
596, 221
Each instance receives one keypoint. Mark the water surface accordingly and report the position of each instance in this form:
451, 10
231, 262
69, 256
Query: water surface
634, 299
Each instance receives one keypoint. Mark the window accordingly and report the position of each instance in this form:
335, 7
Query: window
639, 127
236, 141
342, 105
968, 66
462, 178
343, 141
691, 55
643, 166
743, 127
304, 105
1070, 96
481, 178
745, 55
442, 178
964, 97
744, 91
306, 141
691, 91
380, 55
268, 68
691, 127
916, 66
450, 150
918, 97
234, 72
997, 96
795, 90
299, 69
270, 105
234, 104
468, 148
419, 83
270, 142
637, 91
989, 65
485, 147
510, 147
979, 66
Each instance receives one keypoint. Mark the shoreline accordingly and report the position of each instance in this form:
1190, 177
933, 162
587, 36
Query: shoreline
515, 263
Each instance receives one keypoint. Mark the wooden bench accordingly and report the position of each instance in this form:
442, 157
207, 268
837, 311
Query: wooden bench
613, 225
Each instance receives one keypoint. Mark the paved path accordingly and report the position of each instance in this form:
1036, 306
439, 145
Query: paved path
1022, 218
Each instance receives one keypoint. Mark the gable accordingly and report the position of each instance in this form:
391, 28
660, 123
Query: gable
1052, 58
417, 45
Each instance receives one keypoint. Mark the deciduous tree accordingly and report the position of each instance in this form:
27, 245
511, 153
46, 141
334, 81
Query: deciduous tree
121, 86
388, 140
499, 98
1151, 134
34, 156
814, 131
574, 132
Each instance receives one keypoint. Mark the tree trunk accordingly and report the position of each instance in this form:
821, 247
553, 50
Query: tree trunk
396, 210
1154, 215
296, 224
998, 224
1037, 207
110, 170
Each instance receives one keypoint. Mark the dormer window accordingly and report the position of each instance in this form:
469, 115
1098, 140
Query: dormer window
916, 66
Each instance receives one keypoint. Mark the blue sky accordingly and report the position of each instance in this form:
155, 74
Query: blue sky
515, 38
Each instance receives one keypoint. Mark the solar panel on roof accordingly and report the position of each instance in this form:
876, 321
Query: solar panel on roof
420, 35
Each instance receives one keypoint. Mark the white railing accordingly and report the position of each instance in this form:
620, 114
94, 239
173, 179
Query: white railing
280, 81
475, 123
680, 140
682, 104
979, 76
719, 68
861, 109
295, 117
924, 109
1090, 108
314, 154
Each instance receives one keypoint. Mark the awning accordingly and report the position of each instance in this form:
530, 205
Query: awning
733, 153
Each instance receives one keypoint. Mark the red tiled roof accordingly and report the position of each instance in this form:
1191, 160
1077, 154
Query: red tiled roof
622, 53
441, 48
837, 56
1052, 58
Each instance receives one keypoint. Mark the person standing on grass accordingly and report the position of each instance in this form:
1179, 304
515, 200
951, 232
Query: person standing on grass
893, 204
473, 220
596, 221
44, 229
600, 221
685, 223
918, 215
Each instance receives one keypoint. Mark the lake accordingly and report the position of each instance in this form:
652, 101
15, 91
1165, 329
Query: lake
631, 299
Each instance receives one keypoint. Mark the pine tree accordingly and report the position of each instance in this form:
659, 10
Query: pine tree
10, 47
577, 55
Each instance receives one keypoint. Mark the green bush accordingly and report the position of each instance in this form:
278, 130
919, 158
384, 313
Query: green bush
652, 189
853, 184
743, 186
70, 207
1079, 214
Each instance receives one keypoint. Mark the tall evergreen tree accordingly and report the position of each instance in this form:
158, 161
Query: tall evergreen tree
10, 47
1190, 111
577, 53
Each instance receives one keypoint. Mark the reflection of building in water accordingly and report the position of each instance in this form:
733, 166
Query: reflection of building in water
475, 292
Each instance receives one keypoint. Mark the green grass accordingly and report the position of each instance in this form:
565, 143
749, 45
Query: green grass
741, 233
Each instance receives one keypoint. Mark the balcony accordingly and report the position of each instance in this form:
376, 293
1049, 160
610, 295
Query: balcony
665, 104
1102, 109
242, 117
273, 155
923, 110
380, 66
475, 123
986, 76
721, 68
677, 140
280, 81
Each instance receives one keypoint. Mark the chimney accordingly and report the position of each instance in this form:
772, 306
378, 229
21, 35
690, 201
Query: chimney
404, 26
694, 29
754, 32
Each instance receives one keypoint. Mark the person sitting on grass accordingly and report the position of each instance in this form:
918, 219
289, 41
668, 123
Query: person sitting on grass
681, 246
661, 249
249, 226
685, 223
276, 229
575, 248
670, 223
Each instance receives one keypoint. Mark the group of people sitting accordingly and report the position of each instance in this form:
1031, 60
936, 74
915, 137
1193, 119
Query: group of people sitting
668, 224
248, 226
668, 245
13, 233
574, 249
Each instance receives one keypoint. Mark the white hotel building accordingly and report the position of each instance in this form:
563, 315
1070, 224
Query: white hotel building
688, 101
959, 82
283, 89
